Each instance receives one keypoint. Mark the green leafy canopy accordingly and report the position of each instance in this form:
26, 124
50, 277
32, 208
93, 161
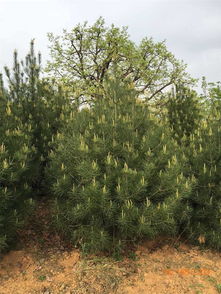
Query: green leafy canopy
84, 56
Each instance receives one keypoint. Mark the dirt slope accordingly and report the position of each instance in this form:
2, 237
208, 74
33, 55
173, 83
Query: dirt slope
165, 270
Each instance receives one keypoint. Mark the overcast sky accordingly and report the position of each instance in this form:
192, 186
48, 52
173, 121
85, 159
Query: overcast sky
191, 28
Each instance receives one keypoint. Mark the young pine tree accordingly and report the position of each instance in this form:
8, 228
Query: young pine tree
15, 201
184, 112
42, 105
116, 174
204, 157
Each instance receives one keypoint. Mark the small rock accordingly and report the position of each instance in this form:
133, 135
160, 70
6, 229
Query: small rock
49, 279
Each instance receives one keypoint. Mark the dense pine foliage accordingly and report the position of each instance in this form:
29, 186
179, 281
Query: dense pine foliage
116, 170
31, 112
42, 105
204, 159
117, 175
15, 150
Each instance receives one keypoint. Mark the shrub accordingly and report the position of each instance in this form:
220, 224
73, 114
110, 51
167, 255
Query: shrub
116, 174
204, 157
14, 159
41, 104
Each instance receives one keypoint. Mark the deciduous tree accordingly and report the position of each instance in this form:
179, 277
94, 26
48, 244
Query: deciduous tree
83, 57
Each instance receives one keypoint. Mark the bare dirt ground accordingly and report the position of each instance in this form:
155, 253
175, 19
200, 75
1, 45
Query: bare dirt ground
39, 267
165, 270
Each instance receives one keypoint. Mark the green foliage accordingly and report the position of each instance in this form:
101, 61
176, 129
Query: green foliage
119, 172
116, 174
42, 105
31, 112
184, 113
83, 57
204, 159
218, 288
14, 161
